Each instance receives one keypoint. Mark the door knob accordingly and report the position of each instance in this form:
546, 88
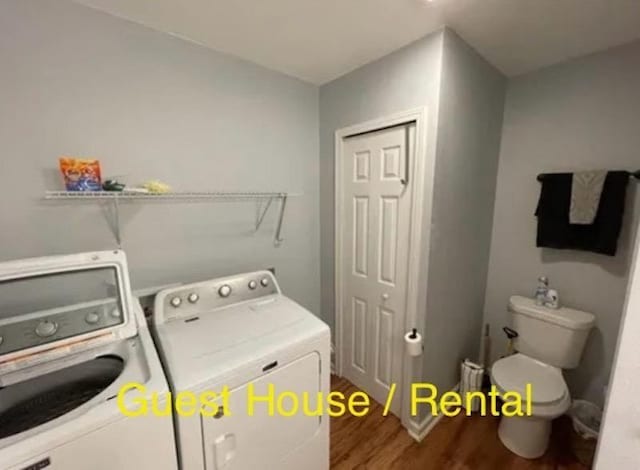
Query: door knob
385, 296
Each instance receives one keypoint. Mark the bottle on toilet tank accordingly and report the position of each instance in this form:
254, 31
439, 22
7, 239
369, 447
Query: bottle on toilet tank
552, 299
541, 290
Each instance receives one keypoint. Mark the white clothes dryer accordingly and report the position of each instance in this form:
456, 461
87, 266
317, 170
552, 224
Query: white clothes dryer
71, 335
241, 333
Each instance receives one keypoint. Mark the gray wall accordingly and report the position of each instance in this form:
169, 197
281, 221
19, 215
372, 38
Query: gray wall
582, 114
79, 82
465, 99
469, 127
406, 79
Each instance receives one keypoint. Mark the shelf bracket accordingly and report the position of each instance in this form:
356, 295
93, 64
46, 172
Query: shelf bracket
112, 210
283, 204
261, 212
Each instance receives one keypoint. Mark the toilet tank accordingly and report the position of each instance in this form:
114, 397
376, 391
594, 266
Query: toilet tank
553, 336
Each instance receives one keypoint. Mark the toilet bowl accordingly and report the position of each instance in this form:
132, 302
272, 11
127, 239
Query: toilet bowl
548, 341
528, 436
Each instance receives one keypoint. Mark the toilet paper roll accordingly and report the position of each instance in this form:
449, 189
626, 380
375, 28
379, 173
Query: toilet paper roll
413, 343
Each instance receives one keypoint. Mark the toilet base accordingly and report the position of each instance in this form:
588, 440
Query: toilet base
527, 436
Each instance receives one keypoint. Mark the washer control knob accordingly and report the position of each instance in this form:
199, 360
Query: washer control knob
264, 282
225, 290
253, 285
193, 298
46, 328
176, 301
92, 318
116, 313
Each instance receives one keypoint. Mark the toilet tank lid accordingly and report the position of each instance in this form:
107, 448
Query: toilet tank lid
566, 317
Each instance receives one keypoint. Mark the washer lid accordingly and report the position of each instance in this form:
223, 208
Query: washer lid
513, 373
53, 305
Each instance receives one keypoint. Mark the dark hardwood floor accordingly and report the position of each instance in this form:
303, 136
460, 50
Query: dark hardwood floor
460, 443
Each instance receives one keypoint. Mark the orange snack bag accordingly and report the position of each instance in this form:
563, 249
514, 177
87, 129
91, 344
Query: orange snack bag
81, 174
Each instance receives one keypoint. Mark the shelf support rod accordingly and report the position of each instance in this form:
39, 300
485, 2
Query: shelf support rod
283, 204
113, 217
262, 212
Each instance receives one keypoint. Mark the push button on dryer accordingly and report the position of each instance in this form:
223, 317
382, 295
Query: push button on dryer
46, 328
225, 290
92, 318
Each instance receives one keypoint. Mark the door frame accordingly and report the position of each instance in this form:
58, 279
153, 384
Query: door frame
422, 172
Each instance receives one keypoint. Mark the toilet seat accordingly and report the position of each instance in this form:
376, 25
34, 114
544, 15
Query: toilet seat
513, 373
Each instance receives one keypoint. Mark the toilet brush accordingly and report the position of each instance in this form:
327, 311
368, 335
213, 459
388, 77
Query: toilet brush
485, 354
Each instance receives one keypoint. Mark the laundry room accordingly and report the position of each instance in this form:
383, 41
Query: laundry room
284, 235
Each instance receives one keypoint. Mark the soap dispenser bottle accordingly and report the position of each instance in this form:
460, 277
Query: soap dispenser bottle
542, 290
553, 299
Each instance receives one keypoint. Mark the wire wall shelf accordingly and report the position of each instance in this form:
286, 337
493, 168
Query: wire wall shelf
263, 201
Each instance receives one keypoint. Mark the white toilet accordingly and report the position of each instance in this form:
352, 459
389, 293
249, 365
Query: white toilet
548, 341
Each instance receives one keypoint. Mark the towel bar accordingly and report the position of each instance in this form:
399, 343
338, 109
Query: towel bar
632, 174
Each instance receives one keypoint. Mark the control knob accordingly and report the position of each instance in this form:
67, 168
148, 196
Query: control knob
176, 301
253, 285
225, 290
46, 328
193, 298
92, 318
264, 281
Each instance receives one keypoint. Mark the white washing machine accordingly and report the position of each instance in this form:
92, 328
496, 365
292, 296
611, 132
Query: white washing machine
71, 335
242, 333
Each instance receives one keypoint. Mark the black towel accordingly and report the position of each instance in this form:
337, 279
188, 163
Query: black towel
554, 229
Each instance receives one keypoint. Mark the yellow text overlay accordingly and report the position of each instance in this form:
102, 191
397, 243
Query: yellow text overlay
134, 400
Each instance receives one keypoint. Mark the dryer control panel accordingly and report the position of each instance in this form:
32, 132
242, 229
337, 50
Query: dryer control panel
190, 300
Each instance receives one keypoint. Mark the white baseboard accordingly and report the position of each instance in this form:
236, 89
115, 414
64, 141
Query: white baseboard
418, 431
424, 428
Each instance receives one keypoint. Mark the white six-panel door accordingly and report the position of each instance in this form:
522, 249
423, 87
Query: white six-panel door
375, 226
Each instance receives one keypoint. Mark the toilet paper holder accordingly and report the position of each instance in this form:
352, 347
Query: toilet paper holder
413, 343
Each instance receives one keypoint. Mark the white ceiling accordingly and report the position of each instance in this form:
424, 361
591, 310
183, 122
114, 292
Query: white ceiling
319, 40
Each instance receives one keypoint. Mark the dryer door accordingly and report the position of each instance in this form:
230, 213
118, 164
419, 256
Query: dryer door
239, 441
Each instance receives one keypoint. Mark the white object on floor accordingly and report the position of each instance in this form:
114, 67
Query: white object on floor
69, 346
241, 332
586, 417
471, 375
548, 341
